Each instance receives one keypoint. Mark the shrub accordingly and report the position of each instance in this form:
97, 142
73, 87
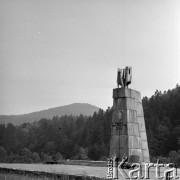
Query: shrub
173, 155
36, 157
58, 156
178, 151
45, 157
3, 151
24, 152
177, 161
3, 154
103, 158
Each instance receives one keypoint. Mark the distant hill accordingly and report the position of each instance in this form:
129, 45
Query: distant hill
72, 109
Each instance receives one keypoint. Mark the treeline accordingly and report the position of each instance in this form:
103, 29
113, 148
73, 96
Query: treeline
82, 137
66, 137
162, 118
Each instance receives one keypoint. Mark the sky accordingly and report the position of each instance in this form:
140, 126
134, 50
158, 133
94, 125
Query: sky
58, 52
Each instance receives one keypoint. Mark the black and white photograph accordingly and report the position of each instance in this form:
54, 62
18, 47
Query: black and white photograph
89, 89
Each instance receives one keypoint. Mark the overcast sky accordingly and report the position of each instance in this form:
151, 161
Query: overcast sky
57, 52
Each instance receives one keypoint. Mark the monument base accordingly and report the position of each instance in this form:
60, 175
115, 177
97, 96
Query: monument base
128, 132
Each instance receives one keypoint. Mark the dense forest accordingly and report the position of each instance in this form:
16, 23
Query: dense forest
88, 137
162, 119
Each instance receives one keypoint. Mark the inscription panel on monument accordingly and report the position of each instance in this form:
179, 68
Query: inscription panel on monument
133, 129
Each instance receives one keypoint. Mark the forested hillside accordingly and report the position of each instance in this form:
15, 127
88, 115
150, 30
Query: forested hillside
162, 118
74, 109
88, 137
74, 137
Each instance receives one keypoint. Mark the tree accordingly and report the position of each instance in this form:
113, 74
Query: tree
24, 152
36, 157
50, 148
58, 156
9, 138
3, 152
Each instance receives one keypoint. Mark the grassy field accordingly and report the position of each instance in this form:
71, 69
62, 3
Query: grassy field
18, 177
84, 171
61, 169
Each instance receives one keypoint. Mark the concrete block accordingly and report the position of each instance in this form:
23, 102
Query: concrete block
139, 109
145, 153
130, 138
124, 141
141, 123
137, 152
122, 115
119, 130
146, 159
115, 93
131, 116
119, 92
122, 104
126, 104
114, 132
119, 144
113, 150
122, 152
123, 130
119, 116
114, 117
126, 92
136, 95
115, 142
144, 144
115, 104
133, 129
143, 135
119, 124
130, 104
134, 142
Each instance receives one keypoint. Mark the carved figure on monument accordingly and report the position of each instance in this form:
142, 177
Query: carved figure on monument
124, 76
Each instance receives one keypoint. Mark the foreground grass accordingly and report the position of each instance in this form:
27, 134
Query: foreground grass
60, 169
19, 177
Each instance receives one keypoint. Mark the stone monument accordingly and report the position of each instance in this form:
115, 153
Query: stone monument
128, 132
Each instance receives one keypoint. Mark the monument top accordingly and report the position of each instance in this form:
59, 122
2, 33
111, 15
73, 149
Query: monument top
124, 76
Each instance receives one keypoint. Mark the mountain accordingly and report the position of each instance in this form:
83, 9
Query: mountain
72, 109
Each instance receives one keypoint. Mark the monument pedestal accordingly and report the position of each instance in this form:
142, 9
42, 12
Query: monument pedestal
128, 132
